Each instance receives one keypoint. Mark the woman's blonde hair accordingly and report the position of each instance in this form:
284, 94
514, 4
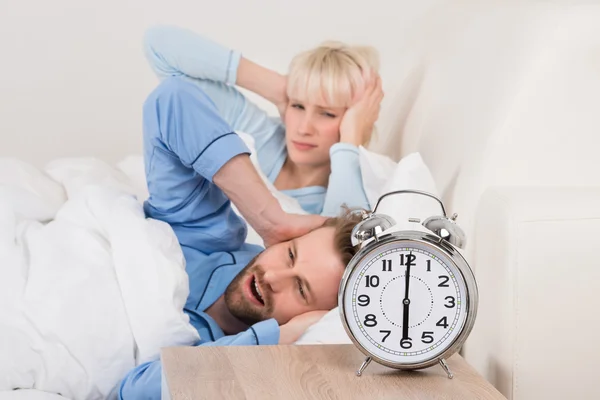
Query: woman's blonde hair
331, 74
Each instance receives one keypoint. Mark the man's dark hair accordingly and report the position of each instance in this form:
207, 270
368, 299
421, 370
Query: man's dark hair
343, 226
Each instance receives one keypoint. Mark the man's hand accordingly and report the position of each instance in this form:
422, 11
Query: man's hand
291, 226
240, 181
295, 327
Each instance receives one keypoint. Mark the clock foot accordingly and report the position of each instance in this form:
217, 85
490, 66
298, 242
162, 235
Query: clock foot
363, 366
446, 368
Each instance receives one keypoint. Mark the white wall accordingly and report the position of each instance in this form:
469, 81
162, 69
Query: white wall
73, 78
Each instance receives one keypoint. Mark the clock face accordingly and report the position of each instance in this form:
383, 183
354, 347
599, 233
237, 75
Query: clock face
405, 302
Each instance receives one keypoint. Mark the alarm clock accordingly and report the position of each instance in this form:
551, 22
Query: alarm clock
408, 298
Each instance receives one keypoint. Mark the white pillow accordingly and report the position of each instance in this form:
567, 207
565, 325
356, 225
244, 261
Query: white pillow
376, 170
410, 173
380, 177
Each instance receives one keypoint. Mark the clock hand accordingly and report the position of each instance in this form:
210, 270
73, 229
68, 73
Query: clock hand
406, 301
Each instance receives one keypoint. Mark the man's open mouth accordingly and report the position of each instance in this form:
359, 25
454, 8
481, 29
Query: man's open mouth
256, 291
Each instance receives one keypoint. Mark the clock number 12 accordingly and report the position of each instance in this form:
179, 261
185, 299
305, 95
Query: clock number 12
407, 259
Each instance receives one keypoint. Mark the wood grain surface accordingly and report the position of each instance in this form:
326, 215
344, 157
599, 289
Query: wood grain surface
309, 372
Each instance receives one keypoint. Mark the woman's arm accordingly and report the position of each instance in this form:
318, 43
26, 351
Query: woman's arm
345, 182
174, 51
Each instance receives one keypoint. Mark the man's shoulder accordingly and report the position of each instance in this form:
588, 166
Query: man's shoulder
210, 260
241, 256
179, 86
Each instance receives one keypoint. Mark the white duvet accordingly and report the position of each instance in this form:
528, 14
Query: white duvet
89, 288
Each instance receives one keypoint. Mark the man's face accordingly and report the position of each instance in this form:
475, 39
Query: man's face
288, 279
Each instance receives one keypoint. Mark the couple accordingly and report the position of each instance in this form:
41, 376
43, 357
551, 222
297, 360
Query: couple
196, 165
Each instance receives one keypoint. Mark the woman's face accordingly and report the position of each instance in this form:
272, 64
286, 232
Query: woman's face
311, 129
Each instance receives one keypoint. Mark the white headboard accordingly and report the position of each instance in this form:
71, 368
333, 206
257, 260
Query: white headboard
73, 77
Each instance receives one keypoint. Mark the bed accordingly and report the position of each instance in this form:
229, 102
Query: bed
73, 246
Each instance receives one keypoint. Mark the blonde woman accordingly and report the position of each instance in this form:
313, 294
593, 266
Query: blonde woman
328, 101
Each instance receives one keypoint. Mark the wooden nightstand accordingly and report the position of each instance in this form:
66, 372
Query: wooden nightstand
307, 372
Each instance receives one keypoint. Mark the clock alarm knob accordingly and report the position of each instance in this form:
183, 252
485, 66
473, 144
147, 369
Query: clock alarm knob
447, 229
370, 227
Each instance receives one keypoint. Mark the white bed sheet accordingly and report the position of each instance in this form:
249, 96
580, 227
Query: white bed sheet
29, 394
89, 288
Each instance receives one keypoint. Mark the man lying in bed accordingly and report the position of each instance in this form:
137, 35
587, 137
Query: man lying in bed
239, 294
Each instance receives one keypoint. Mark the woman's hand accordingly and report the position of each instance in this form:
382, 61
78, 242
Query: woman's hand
358, 121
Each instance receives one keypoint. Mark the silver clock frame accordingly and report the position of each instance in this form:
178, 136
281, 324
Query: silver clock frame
454, 256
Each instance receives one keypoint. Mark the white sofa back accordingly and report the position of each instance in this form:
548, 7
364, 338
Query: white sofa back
503, 103
501, 94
